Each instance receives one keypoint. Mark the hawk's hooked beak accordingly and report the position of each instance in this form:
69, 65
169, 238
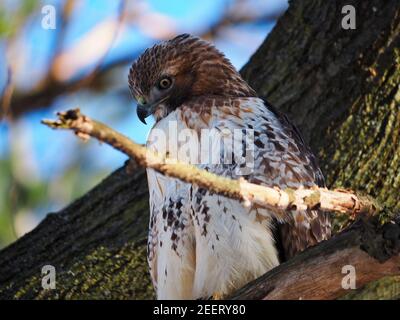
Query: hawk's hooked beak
146, 108
142, 112
143, 108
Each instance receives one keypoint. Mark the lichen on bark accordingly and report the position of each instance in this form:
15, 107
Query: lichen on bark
97, 246
365, 149
104, 273
387, 288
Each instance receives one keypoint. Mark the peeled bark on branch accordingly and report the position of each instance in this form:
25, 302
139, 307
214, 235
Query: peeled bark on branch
341, 87
273, 198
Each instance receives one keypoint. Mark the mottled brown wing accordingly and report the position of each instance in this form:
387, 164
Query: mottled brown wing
293, 237
295, 133
296, 238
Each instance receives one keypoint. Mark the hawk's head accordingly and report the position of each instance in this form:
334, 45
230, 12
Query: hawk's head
169, 73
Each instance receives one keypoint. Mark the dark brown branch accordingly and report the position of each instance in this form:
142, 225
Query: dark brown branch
316, 273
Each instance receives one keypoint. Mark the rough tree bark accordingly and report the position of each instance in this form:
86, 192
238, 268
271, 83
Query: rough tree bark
341, 87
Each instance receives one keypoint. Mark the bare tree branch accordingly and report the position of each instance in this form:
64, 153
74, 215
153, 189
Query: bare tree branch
279, 201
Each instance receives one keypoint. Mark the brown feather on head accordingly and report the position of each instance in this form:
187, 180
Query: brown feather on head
172, 72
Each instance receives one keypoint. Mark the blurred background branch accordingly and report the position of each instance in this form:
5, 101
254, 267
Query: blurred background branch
85, 61
64, 64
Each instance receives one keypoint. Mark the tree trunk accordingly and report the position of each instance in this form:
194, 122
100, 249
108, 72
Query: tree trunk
341, 87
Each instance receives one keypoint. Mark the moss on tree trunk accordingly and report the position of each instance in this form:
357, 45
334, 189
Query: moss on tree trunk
341, 87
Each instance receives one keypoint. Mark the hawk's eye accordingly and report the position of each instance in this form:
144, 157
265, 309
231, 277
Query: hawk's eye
164, 83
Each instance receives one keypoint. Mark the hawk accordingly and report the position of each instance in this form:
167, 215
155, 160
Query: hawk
202, 244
